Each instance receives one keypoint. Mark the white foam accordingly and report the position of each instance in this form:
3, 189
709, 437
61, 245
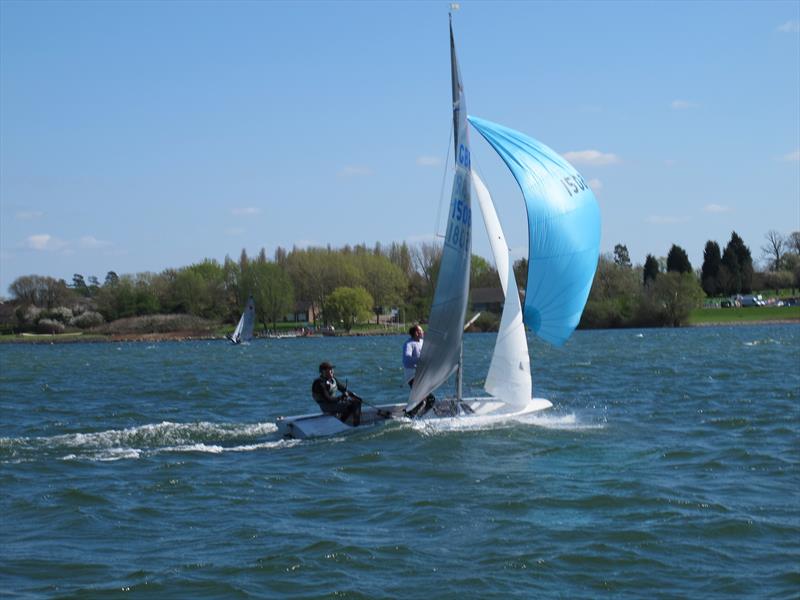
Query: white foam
150, 439
551, 421
108, 455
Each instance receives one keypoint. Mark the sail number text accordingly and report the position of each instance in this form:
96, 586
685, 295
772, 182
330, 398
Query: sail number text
460, 221
574, 184
462, 156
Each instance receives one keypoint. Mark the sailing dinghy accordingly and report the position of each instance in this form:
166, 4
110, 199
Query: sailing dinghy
563, 244
244, 328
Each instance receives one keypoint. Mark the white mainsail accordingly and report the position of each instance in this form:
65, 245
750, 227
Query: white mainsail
509, 377
246, 324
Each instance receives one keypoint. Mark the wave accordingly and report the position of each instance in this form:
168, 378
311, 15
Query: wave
144, 440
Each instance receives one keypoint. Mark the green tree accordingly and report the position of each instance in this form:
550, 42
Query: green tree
316, 272
678, 260
778, 280
117, 300
79, 285
745, 262
400, 256
482, 274
712, 261
730, 273
188, 288
94, 285
348, 306
651, 269
676, 294
200, 290
614, 297
384, 281
272, 292
621, 256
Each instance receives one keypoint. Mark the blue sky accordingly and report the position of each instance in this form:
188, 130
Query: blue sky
147, 135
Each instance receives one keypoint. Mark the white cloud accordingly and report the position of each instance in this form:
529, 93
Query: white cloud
666, 220
792, 156
682, 105
44, 241
596, 185
594, 158
354, 171
27, 215
89, 241
246, 211
716, 208
429, 161
789, 27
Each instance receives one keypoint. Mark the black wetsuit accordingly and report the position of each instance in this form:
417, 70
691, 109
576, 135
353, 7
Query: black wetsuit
343, 407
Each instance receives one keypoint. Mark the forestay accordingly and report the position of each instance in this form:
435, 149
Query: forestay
564, 231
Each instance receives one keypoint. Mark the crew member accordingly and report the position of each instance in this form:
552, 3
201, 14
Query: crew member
342, 407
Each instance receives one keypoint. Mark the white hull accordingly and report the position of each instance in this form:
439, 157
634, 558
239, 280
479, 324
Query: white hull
320, 425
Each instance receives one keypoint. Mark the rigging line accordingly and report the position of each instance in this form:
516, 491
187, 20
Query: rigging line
444, 179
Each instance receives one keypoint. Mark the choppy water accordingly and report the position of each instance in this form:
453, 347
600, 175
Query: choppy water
669, 467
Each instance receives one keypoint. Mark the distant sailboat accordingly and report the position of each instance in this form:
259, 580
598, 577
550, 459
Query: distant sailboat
244, 328
564, 244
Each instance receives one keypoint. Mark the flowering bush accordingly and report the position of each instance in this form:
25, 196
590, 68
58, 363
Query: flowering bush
49, 326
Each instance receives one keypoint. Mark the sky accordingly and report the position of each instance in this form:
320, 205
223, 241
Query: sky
141, 136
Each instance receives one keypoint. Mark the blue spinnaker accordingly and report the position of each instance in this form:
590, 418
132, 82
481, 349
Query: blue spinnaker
563, 231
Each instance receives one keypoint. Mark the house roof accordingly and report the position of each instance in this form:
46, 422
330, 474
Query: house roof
487, 295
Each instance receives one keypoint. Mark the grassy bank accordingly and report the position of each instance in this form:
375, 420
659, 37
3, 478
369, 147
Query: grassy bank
750, 314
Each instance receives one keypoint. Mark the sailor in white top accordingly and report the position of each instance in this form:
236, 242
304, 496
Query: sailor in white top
411, 351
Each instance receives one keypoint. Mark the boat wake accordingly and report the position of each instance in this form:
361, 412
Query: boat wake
563, 422
145, 440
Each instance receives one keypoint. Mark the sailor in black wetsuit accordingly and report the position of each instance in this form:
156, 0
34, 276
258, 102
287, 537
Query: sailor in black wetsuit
342, 407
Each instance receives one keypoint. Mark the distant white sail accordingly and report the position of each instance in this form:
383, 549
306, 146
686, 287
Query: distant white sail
244, 328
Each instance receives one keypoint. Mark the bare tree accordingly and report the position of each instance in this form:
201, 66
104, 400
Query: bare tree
793, 241
774, 249
426, 259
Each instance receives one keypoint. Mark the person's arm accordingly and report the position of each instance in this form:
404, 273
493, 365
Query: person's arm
408, 356
321, 393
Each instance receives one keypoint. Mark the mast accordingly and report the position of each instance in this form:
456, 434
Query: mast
441, 353
456, 80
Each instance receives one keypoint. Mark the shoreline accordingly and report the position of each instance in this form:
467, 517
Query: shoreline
187, 336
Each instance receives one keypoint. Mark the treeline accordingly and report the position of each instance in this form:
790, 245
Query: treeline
663, 291
342, 286
355, 284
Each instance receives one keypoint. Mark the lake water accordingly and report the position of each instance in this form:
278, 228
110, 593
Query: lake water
669, 467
